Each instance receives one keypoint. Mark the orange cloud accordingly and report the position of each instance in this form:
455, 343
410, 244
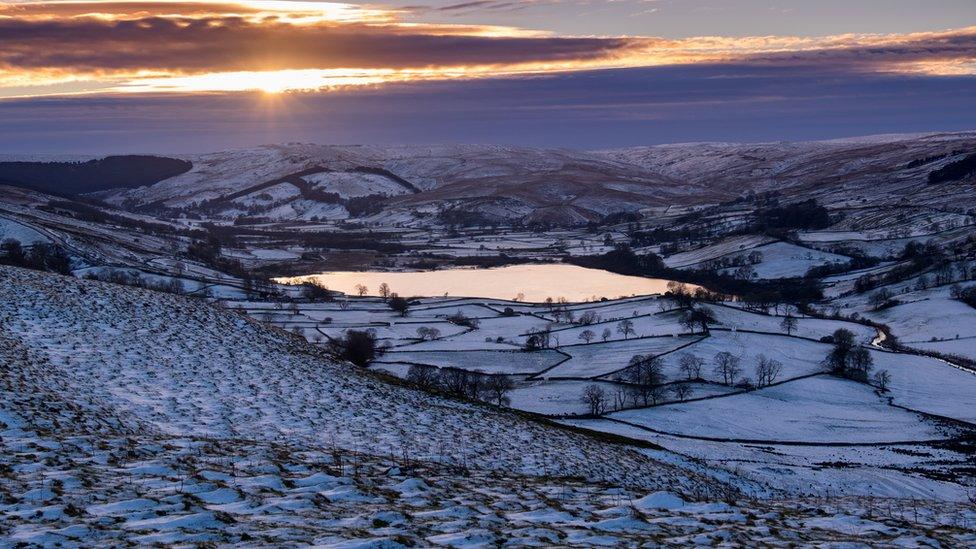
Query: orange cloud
161, 45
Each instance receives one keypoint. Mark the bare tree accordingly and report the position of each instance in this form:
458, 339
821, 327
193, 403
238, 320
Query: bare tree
385, 291
477, 388
788, 324
497, 389
727, 366
681, 391
427, 333
587, 318
839, 358
881, 379
690, 365
657, 393
607, 334
595, 399
619, 397
587, 335
398, 304
362, 290
860, 364
455, 381
625, 328
697, 317
767, 370
878, 299
644, 375
423, 376
358, 347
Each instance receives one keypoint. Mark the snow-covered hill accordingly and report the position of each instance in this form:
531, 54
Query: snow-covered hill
882, 169
556, 186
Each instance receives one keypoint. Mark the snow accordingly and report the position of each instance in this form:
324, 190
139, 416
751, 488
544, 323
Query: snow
929, 385
10, 229
737, 244
353, 184
659, 500
190, 367
558, 397
785, 260
130, 416
819, 409
599, 359
491, 362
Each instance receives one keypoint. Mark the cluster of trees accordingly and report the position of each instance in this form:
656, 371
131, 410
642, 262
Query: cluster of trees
801, 215
460, 319
697, 317
589, 335
463, 384
967, 295
882, 299
426, 333
559, 310
41, 256
362, 206
849, 360
645, 379
457, 217
397, 303
754, 257
357, 346
954, 171
643, 383
315, 291
859, 260
917, 257
127, 278
729, 368
111, 172
96, 211
539, 340
623, 260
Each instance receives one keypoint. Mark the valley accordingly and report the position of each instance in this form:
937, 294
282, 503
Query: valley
457, 345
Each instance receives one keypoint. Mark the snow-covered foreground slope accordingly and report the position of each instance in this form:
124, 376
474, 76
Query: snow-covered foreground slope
178, 366
128, 416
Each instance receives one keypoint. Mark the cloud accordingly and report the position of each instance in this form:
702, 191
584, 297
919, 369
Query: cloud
139, 45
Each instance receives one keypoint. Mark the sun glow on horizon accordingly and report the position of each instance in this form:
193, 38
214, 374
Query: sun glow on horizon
272, 46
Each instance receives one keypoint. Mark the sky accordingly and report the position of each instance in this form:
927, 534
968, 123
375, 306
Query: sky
182, 76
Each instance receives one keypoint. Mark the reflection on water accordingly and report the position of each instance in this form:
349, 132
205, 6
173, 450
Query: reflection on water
532, 283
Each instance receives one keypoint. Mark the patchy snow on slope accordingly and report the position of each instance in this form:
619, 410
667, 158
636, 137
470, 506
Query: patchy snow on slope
181, 367
354, 184
785, 260
10, 229
732, 245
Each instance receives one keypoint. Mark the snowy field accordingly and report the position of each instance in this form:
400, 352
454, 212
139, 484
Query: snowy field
489, 362
600, 359
10, 229
818, 409
851, 419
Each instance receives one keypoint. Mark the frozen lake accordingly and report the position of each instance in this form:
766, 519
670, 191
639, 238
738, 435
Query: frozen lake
534, 283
